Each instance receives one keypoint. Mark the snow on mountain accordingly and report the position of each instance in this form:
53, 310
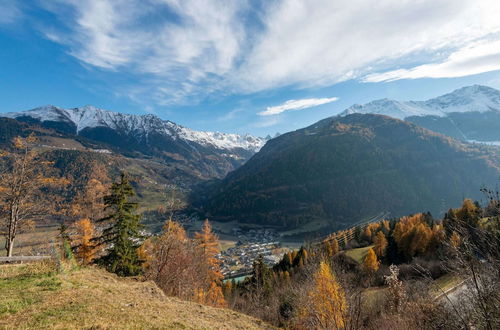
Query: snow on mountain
91, 117
474, 98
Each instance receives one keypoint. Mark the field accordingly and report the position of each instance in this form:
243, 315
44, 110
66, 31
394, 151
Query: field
35, 242
36, 296
359, 254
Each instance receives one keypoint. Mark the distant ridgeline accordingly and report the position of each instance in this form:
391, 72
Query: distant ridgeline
195, 154
470, 113
347, 168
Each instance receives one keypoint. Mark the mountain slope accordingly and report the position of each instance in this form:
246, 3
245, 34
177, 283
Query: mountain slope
343, 169
468, 113
210, 154
91, 298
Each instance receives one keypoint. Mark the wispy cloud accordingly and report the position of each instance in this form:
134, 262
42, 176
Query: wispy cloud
183, 50
296, 105
468, 61
230, 115
10, 12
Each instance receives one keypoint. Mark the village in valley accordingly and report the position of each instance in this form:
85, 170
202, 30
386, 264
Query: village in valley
238, 260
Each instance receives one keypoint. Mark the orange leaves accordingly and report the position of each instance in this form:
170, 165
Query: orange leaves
212, 297
183, 267
326, 305
380, 244
86, 251
371, 262
413, 235
208, 243
27, 193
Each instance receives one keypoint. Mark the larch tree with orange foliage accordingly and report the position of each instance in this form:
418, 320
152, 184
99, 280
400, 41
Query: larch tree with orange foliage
371, 263
413, 235
326, 305
86, 250
88, 206
207, 245
380, 244
25, 189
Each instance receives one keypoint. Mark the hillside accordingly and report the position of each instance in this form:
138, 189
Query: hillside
75, 157
344, 169
34, 297
471, 113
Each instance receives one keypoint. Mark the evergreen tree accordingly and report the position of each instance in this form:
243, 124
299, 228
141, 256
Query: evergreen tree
261, 275
123, 234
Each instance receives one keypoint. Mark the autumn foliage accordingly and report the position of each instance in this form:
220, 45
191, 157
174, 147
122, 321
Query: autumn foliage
183, 267
326, 306
371, 262
86, 249
414, 235
380, 244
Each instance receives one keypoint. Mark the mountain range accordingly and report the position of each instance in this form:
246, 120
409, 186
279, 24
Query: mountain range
471, 113
344, 169
209, 154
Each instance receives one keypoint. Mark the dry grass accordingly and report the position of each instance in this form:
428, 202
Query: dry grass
33, 243
359, 254
35, 296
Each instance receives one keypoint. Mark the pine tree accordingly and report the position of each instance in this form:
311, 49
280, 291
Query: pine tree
261, 275
326, 305
123, 234
371, 262
380, 244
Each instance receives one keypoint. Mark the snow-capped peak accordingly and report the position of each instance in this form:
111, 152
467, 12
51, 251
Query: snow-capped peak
466, 99
90, 117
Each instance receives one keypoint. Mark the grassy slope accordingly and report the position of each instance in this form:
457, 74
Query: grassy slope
358, 254
35, 297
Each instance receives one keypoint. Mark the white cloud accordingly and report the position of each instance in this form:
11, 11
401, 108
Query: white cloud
317, 43
468, 61
296, 105
181, 50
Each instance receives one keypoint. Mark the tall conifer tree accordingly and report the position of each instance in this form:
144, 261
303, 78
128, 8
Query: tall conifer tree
123, 234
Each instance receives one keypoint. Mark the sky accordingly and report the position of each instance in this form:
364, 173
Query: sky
245, 66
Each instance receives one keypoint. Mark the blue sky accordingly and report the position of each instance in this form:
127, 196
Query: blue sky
242, 66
